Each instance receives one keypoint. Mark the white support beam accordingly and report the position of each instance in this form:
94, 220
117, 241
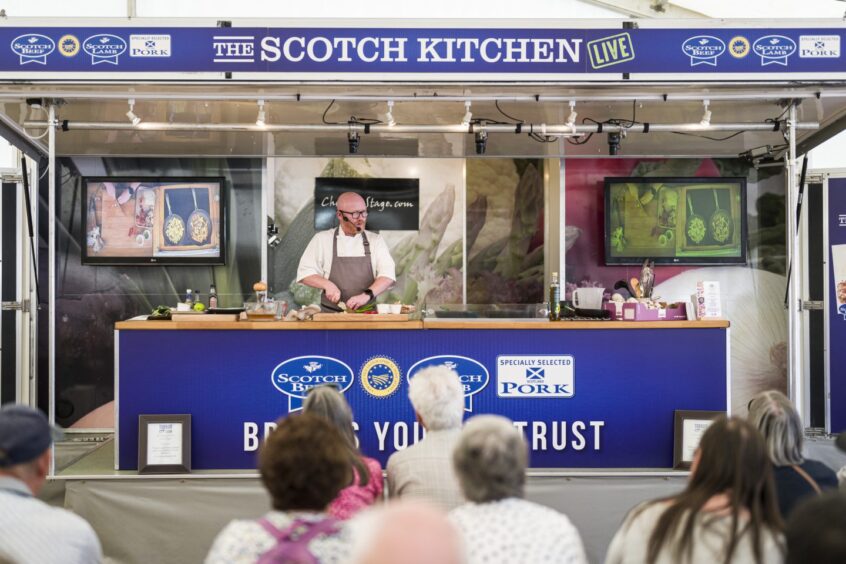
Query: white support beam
647, 8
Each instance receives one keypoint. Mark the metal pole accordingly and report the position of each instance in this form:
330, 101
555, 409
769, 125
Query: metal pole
794, 322
51, 278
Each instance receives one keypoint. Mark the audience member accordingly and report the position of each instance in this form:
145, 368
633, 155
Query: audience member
496, 524
304, 463
727, 513
795, 477
327, 402
404, 532
30, 530
816, 530
424, 470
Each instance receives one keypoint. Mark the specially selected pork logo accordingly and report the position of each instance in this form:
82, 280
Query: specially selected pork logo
104, 48
535, 376
473, 375
33, 48
296, 376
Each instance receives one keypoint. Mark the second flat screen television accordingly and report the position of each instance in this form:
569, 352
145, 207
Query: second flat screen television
675, 220
162, 220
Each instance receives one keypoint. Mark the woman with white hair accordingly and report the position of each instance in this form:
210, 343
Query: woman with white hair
497, 524
796, 477
424, 470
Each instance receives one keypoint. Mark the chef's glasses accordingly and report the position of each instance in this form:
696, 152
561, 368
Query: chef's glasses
355, 214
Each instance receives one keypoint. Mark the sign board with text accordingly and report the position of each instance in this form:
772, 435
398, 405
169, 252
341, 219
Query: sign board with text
407, 51
584, 398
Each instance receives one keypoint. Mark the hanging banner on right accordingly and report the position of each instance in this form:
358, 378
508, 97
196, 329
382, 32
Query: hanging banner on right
837, 304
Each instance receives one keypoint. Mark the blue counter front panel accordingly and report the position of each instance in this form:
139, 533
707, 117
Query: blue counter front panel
602, 398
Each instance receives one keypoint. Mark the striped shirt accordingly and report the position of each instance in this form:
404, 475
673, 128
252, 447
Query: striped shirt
33, 532
424, 470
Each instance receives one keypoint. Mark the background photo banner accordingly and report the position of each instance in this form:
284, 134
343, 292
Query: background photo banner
837, 303
421, 51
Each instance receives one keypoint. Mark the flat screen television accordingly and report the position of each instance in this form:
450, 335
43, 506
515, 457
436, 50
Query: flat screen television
154, 220
697, 221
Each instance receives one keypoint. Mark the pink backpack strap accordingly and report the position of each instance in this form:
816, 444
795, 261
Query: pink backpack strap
292, 541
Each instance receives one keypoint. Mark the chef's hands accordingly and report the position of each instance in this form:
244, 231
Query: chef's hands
357, 301
333, 294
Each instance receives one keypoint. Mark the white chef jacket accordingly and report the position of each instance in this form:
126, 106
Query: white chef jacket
317, 258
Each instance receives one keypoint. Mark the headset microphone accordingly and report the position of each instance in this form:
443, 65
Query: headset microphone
344, 217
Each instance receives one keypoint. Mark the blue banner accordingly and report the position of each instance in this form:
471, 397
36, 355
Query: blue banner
584, 398
837, 303
421, 51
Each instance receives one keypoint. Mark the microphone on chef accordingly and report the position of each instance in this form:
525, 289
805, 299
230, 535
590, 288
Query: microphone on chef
344, 217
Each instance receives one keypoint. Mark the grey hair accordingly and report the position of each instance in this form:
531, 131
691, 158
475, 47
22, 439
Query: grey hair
490, 459
437, 396
776, 418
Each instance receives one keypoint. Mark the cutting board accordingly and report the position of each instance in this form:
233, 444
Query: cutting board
363, 317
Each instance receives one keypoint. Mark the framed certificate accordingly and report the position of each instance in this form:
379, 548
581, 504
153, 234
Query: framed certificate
164, 444
688, 429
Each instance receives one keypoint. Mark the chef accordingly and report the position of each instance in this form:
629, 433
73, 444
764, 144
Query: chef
347, 263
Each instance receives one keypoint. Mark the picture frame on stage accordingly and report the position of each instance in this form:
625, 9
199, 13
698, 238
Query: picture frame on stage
688, 427
164, 444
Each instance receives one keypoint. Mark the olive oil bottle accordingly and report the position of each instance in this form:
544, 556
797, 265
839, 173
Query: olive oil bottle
554, 299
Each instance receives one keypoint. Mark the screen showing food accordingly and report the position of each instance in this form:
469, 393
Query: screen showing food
153, 221
675, 220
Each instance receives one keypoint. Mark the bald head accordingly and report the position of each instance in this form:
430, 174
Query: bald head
346, 207
406, 532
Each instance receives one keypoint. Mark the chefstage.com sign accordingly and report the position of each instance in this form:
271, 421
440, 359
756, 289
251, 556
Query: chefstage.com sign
616, 411
422, 51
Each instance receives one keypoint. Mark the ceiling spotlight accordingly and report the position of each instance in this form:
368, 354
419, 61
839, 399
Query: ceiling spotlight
481, 141
706, 115
134, 119
571, 119
261, 115
614, 142
353, 138
468, 115
389, 117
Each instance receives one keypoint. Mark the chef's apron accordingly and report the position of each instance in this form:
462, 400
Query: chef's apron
352, 275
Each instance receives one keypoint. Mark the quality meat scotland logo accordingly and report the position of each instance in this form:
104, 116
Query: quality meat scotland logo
703, 49
738, 47
380, 377
69, 45
535, 376
473, 375
296, 376
774, 49
33, 48
104, 48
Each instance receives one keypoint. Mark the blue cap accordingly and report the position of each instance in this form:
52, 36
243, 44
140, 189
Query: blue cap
24, 434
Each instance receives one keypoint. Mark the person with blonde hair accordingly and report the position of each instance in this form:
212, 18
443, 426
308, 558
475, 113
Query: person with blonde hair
795, 476
366, 487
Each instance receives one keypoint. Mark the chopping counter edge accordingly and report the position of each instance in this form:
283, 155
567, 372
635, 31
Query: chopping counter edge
417, 324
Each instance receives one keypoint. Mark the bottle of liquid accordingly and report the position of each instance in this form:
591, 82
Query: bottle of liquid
554, 299
189, 297
212, 297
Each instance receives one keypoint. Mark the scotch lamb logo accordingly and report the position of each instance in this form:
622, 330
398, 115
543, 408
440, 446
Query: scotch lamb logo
703, 49
774, 49
535, 376
104, 48
296, 376
33, 48
472, 374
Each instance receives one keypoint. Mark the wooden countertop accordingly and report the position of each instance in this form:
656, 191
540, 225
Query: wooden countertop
417, 324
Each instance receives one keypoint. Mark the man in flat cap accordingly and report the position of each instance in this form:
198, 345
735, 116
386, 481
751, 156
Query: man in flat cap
30, 530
